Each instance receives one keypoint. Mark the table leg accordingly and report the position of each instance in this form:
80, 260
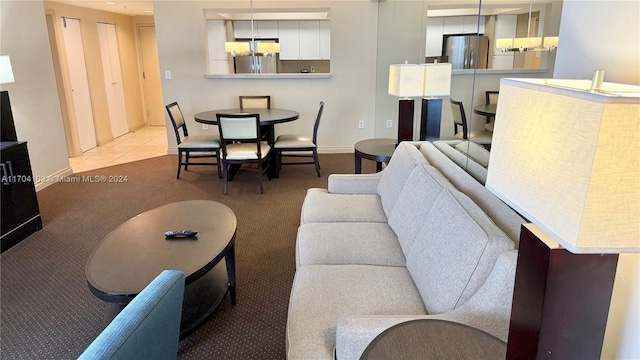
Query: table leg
268, 132
378, 166
230, 259
358, 164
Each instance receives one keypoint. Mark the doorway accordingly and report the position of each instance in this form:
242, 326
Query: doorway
113, 79
81, 108
151, 76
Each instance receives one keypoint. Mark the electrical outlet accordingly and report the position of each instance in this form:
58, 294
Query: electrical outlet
361, 124
389, 123
205, 127
167, 74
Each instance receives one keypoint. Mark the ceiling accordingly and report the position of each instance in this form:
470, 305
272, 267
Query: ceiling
125, 7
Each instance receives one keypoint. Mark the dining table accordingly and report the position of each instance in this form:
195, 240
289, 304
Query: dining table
268, 119
488, 110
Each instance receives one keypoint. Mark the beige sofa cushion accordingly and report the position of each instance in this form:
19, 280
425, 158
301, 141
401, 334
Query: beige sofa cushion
405, 158
361, 243
416, 199
321, 206
454, 251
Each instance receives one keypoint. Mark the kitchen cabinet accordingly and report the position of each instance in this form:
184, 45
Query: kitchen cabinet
20, 212
435, 30
304, 40
454, 25
262, 29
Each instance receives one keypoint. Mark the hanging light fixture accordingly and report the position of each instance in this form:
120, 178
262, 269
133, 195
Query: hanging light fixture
549, 43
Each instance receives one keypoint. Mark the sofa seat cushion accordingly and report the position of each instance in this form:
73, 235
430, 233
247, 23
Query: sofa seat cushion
405, 158
322, 206
323, 294
348, 243
454, 252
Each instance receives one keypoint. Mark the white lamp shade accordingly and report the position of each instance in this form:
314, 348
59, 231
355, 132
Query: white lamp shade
569, 161
6, 72
236, 46
437, 79
406, 80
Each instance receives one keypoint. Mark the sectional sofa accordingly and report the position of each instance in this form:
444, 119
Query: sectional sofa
420, 239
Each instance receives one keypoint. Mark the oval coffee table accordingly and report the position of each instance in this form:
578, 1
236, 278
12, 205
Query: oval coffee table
133, 254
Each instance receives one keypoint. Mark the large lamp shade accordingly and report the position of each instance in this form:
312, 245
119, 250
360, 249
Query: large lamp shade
406, 80
6, 72
568, 160
437, 79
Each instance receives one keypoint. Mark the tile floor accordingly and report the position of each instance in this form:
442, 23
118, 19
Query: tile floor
144, 143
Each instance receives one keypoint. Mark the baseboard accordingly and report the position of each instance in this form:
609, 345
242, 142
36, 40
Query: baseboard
136, 126
59, 176
335, 149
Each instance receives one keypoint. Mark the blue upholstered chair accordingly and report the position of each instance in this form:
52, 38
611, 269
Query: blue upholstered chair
147, 328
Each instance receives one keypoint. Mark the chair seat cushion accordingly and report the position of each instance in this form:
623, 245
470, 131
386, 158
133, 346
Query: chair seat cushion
293, 141
246, 151
200, 142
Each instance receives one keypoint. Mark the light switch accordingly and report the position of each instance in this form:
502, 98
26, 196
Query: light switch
167, 74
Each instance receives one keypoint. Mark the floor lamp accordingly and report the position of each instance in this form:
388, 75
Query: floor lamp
406, 81
437, 83
565, 154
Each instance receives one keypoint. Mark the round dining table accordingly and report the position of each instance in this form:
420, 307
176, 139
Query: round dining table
486, 110
268, 119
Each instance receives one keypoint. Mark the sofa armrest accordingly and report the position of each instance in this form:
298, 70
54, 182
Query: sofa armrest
354, 183
148, 327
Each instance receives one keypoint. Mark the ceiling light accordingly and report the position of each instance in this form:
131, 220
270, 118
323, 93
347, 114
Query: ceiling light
110, 3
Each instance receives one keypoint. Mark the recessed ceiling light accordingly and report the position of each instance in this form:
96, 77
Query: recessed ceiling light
109, 3
148, 11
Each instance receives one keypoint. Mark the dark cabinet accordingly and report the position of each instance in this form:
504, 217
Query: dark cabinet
20, 213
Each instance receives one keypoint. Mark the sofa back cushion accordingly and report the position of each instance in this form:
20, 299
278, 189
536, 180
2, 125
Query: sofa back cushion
404, 159
454, 251
415, 200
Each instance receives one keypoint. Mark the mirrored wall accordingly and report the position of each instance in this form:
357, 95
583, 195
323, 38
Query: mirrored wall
465, 35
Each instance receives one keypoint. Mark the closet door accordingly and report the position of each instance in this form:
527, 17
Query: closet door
82, 110
113, 79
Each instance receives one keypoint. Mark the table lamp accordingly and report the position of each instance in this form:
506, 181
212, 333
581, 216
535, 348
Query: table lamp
565, 154
8, 128
437, 82
406, 81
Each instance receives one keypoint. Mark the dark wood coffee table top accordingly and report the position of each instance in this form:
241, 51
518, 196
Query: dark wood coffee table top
133, 254
434, 339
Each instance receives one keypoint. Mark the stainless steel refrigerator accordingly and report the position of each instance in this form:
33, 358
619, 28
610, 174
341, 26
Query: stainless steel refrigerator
261, 65
463, 50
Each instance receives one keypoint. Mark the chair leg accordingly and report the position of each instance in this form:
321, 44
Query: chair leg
225, 179
179, 163
279, 159
186, 164
218, 161
316, 161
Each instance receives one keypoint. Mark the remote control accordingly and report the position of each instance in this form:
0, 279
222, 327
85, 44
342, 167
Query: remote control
180, 233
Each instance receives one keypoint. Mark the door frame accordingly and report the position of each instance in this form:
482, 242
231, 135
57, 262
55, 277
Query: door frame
141, 78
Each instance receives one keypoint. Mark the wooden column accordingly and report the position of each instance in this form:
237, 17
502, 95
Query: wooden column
405, 120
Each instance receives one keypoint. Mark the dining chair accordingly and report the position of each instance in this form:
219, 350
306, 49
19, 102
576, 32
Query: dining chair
460, 120
208, 146
240, 143
255, 101
287, 143
491, 97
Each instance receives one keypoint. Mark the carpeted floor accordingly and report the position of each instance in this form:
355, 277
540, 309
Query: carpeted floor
47, 311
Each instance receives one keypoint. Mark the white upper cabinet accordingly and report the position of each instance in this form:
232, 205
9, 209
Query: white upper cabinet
325, 40
262, 29
463, 25
435, 30
304, 40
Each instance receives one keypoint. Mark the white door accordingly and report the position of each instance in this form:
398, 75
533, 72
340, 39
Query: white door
113, 79
79, 83
151, 76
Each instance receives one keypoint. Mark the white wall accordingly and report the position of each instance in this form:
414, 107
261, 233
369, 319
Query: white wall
349, 94
34, 96
605, 35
